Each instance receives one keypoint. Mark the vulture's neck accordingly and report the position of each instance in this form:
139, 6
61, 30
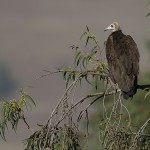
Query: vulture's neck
117, 32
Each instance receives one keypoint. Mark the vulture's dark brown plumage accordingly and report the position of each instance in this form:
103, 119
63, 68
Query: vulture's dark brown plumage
123, 61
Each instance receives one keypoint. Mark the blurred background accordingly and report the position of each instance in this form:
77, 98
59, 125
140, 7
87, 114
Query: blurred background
36, 35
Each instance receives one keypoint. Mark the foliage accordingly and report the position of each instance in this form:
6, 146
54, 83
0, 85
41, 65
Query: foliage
87, 63
13, 111
61, 138
116, 130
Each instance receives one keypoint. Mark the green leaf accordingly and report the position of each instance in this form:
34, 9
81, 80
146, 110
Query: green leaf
87, 28
77, 56
68, 79
91, 55
16, 123
79, 59
73, 76
86, 78
85, 33
28, 144
64, 75
30, 98
87, 40
38, 143
93, 52
28, 104
96, 82
84, 62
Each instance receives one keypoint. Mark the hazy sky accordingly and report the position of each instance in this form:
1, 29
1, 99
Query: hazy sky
36, 35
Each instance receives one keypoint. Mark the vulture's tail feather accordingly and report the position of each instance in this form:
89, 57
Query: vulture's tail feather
132, 91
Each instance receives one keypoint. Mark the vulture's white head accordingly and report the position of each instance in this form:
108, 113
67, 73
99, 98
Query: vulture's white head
113, 27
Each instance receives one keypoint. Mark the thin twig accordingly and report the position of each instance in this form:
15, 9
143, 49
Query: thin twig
138, 134
24, 119
83, 72
70, 87
102, 94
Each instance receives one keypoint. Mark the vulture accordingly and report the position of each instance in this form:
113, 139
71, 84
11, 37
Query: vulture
123, 60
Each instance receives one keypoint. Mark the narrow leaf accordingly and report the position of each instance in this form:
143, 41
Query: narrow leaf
30, 98
77, 56
87, 28
83, 35
79, 59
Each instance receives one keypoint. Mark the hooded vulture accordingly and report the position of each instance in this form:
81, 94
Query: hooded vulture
123, 60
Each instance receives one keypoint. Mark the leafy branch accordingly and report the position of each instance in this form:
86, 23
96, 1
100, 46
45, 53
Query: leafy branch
13, 111
62, 131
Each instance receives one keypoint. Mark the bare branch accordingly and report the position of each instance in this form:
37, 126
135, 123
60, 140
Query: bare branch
145, 87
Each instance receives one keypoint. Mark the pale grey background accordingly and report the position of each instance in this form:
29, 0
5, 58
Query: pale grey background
36, 35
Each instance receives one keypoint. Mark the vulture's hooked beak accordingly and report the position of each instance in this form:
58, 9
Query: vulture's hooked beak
108, 28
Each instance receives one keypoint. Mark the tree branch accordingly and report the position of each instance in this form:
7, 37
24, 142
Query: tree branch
69, 70
145, 87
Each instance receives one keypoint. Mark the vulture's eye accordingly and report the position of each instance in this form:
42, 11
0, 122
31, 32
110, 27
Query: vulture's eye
111, 25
